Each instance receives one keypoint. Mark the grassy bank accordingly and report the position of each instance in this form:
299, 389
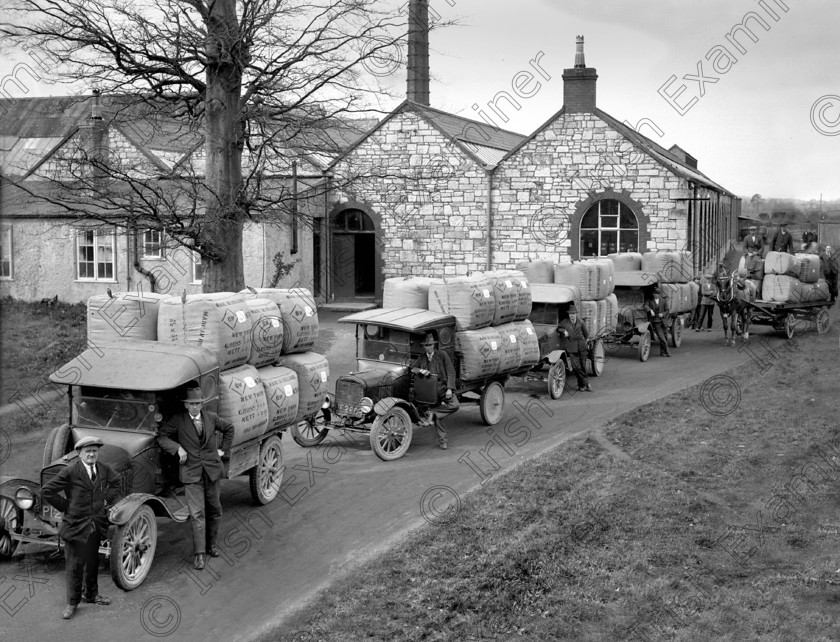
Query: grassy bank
36, 340
708, 515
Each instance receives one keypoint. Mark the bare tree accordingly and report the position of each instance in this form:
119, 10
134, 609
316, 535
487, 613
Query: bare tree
256, 86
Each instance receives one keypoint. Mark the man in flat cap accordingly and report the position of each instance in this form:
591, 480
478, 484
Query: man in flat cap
191, 435
753, 244
83, 491
577, 346
782, 241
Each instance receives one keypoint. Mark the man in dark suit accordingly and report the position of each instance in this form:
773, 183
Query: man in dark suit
657, 307
437, 362
782, 241
577, 346
83, 491
191, 436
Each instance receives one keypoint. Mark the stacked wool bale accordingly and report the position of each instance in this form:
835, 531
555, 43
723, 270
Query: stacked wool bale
595, 279
251, 333
298, 381
674, 273
490, 310
793, 278
406, 292
125, 315
537, 271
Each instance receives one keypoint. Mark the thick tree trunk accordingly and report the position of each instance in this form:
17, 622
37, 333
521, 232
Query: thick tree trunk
224, 214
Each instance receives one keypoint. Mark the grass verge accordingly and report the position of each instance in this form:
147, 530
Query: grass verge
709, 515
36, 340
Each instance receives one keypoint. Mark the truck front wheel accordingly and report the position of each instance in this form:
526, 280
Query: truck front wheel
133, 549
267, 476
11, 521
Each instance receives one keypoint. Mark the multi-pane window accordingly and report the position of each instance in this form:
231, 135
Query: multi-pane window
95, 255
5, 252
152, 244
198, 270
608, 227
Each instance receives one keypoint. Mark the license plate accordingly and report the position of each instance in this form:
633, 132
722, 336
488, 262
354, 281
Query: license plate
50, 513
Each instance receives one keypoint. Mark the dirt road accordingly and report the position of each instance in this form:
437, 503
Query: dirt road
340, 505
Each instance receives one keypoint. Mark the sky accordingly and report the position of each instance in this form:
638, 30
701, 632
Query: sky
760, 117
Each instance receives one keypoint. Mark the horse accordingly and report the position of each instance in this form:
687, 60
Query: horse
733, 298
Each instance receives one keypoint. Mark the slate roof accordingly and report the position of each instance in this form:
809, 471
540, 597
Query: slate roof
32, 128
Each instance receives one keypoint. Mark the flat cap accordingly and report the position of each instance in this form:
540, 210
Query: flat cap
89, 441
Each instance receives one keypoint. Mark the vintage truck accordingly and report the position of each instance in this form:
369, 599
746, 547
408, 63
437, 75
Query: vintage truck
120, 393
381, 398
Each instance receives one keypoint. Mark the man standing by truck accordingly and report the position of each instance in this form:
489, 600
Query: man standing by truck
83, 491
577, 346
191, 435
437, 362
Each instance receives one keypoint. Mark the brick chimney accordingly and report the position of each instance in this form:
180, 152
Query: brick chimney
418, 52
579, 84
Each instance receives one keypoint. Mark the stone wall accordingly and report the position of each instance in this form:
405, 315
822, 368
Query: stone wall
429, 195
543, 190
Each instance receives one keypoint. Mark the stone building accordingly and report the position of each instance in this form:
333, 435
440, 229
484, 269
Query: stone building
465, 196
421, 192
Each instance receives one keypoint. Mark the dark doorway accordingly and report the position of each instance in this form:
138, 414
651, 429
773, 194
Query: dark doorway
354, 262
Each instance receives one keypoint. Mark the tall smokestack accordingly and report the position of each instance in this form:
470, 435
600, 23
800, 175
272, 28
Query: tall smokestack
418, 52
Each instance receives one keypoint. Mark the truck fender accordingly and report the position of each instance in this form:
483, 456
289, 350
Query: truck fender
643, 326
121, 512
384, 405
9, 486
555, 355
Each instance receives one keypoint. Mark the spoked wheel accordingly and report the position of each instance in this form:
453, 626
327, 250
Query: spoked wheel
823, 321
598, 358
644, 346
790, 321
556, 379
11, 521
390, 434
676, 332
311, 431
266, 477
133, 549
492, 402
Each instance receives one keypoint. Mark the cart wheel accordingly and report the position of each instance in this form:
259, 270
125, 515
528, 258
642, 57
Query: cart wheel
823, 321
133, 549
266, 477
595, 364
676, 332
311, 431
11, 521
644, 346
556, 380
492, 403
790, 321
57, 444
390, 434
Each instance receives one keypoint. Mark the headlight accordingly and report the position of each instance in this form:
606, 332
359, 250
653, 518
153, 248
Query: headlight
327, 402
366, 404
24, 498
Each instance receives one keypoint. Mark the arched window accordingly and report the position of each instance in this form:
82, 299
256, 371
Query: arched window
608, 226
353, 221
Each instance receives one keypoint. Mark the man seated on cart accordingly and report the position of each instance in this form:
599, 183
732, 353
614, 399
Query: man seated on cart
437, 362
577, 346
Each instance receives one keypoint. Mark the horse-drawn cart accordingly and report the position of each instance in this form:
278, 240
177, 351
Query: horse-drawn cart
786, 316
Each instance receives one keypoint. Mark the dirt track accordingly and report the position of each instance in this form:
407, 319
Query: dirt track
341, 505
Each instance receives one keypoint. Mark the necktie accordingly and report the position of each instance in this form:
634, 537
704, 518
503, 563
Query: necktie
93, 473
198, 425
